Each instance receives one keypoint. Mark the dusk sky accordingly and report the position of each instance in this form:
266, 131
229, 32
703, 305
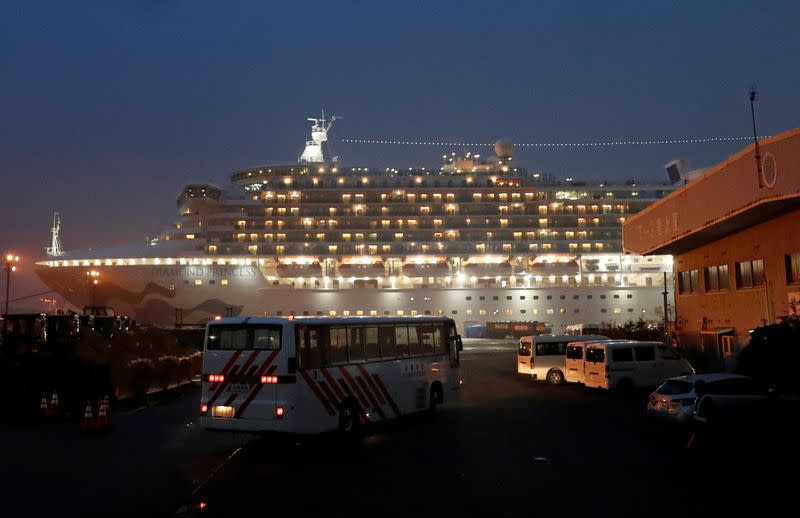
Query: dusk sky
108, 108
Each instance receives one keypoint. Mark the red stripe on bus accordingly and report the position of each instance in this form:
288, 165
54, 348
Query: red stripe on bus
249, 362
332, 383
331, 397
315, 389
355, 386
363, 401
226, 367
372, 400
386, 394
224, 384
258, 386
372, 385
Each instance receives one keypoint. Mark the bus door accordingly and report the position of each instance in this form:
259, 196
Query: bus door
524, 355
575, 362
243, 371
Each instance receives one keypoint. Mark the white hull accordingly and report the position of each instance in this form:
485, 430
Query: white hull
154, 294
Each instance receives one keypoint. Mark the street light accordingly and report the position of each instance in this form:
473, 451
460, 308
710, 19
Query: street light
10, 266
94, 279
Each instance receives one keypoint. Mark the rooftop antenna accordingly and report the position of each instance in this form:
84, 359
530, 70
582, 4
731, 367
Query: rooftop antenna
55, 250
753, 95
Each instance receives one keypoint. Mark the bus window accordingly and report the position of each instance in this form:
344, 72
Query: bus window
337, 350
227, 338
373, 351
386, 341
551, 348
427, 339
356, 344
401, 341
414, 344
268, 338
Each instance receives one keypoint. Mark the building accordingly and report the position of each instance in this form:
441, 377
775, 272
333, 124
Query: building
734, 233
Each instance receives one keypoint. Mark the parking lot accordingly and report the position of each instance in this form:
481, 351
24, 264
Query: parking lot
510, 446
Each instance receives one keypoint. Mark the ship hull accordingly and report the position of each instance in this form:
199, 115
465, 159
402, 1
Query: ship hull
193, 294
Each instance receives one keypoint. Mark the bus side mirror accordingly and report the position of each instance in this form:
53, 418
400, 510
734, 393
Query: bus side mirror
292, 367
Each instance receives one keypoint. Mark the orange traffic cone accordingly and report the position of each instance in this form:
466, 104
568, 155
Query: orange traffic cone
55, 407
87, 423
102, 424
43, 410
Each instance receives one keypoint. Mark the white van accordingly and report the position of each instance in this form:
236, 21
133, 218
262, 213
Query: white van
576, 362
632, 364
544, 356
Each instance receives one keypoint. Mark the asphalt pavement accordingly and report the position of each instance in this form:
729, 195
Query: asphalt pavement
510, 447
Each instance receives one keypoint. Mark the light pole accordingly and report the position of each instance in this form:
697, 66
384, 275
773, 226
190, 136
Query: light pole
94, 279
10, 266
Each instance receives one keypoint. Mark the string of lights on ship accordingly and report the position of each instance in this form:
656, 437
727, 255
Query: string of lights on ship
601, 143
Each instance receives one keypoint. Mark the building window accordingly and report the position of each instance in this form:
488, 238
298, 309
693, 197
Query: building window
523, 311
689, 281
469, 312
522, 297
482, 297
482, 311
454, 312
550, 311
750, 274
630, 296
716, 277
224, 282
469, 298
792, 268
198, 282
509, 312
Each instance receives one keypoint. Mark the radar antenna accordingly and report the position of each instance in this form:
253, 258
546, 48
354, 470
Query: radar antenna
55, 250
319, 134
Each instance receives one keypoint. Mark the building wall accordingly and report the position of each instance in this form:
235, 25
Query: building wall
739, 308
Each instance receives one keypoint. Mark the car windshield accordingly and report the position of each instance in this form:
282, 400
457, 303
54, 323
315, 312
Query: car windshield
673, 387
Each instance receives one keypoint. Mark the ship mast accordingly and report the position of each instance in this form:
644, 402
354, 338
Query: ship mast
55, 250
319, 134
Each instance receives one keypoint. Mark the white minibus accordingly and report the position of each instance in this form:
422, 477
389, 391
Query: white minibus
631, 364
314, 374
543, 357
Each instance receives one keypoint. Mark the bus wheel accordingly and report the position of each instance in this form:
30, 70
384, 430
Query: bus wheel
554, 377
348, 418
436, 397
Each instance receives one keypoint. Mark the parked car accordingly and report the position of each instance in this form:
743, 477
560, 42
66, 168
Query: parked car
675, 399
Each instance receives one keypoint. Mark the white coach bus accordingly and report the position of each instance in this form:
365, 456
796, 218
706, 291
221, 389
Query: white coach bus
315, 374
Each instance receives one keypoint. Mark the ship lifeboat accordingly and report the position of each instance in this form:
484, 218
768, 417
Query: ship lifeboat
427, 269
487, 266
293, 269
362, 268
560, 267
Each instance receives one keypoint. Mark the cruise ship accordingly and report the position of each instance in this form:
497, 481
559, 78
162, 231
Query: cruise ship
476, 239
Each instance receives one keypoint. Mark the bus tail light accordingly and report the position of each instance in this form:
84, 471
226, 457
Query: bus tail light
215, 378
203, 409
279, 412
269, 379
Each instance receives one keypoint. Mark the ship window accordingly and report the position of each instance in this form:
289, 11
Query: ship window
536, 297
454, 312
482, 297
522, 297
630, 296
495, 297
469, 298
508, 297
469, 312
523, 311
482, 312
198, 282
603, 310
224, 282
616, 296
212, 281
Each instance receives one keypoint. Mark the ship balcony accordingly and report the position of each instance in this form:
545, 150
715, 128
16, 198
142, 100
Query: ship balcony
293, 270
438, 269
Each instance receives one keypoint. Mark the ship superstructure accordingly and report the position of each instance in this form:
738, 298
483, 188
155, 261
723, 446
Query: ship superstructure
477, 240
